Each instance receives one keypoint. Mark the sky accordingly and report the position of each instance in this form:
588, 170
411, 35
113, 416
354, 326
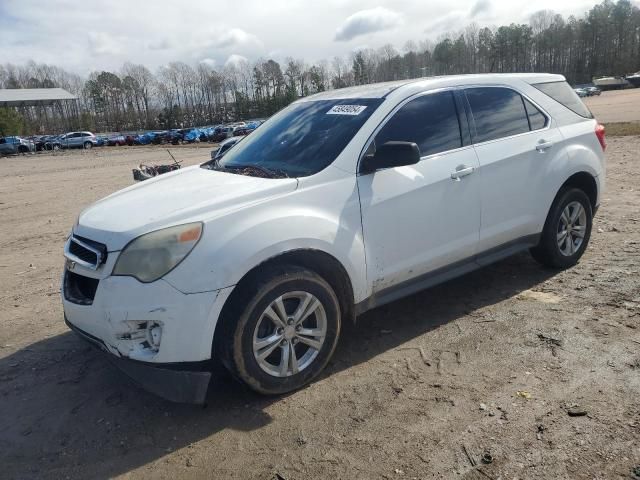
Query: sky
83, 36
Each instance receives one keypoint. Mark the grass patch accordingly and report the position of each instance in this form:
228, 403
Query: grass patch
622, 129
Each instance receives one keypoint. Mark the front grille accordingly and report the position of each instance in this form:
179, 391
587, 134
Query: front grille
87, 252
82, 253
79, 289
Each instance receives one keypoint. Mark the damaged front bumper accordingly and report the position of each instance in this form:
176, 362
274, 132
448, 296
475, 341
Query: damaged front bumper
180, 383
158, 335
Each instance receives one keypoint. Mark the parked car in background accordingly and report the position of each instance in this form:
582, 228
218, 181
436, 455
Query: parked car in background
221, 133
591, 91
84, 140
581, 92
116, 140
339, 203
160, 137
224, 147
13, 145
243, 131
176, 136
38, 141
51, 142
131, 139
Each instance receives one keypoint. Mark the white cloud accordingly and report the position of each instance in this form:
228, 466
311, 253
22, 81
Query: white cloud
209, 62
102, 43
368, 21
223, 38
235, 59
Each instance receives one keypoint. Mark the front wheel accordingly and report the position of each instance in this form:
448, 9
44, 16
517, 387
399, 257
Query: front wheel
566, 231
284, 331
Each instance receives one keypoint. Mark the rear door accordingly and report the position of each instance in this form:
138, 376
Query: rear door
514, 141
419, 218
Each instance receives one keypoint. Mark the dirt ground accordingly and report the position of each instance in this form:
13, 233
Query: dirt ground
615, 105
420, 388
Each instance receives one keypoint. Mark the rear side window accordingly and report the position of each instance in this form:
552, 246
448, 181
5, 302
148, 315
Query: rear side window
497, 112
430, 121
562, 93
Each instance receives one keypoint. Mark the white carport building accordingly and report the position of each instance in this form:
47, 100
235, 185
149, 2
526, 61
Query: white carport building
45, 108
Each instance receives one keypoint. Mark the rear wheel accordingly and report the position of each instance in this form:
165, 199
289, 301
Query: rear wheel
283, 332
22, 149
567, 230
88, 145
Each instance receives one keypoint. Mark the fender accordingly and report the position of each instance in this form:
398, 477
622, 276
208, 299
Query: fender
328, 221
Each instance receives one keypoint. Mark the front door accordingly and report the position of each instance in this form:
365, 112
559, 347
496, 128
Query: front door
420, 218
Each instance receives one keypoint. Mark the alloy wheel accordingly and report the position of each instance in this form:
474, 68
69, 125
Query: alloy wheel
572, 227
290, 334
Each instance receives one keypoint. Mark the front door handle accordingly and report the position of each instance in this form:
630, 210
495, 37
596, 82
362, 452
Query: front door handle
543, 146
461, 171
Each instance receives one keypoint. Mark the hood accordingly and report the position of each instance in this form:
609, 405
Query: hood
188, 195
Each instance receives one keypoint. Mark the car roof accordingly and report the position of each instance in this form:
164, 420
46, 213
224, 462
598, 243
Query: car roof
381, 90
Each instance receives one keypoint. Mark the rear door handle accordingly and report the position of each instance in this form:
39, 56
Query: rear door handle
543, 146
461, 171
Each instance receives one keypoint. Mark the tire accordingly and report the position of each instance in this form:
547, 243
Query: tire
248, 331
556, 250
55, 147
88, 145
23, 150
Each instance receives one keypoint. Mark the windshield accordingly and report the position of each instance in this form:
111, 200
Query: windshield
301, 140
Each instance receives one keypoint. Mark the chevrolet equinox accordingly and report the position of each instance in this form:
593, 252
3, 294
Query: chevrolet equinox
341, 202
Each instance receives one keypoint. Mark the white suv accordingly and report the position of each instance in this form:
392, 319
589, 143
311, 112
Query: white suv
341, 202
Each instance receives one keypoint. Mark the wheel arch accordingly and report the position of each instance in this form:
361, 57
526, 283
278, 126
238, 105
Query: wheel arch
585, 182
319, 261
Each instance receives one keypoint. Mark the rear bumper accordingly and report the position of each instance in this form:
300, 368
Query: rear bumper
181, 383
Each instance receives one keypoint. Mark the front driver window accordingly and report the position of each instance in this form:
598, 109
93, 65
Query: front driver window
430, 121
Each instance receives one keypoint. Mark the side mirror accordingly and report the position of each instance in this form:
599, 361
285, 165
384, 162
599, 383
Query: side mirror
390, 155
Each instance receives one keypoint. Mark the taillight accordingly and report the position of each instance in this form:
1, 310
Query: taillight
600, 132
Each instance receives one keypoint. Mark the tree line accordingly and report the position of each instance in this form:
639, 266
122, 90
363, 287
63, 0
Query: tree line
604, 41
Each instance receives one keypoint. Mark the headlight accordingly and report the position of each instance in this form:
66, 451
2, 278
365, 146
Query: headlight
153, 255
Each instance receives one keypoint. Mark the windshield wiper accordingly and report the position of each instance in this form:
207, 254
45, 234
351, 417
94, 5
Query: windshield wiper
264, 171
245, 169
213, 165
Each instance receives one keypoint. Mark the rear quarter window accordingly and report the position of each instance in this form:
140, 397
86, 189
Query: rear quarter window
537, 119
562, 93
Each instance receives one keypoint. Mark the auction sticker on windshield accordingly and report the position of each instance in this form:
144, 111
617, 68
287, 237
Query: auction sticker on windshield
347, 110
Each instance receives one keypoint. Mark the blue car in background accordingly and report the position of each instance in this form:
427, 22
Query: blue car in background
13, 145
